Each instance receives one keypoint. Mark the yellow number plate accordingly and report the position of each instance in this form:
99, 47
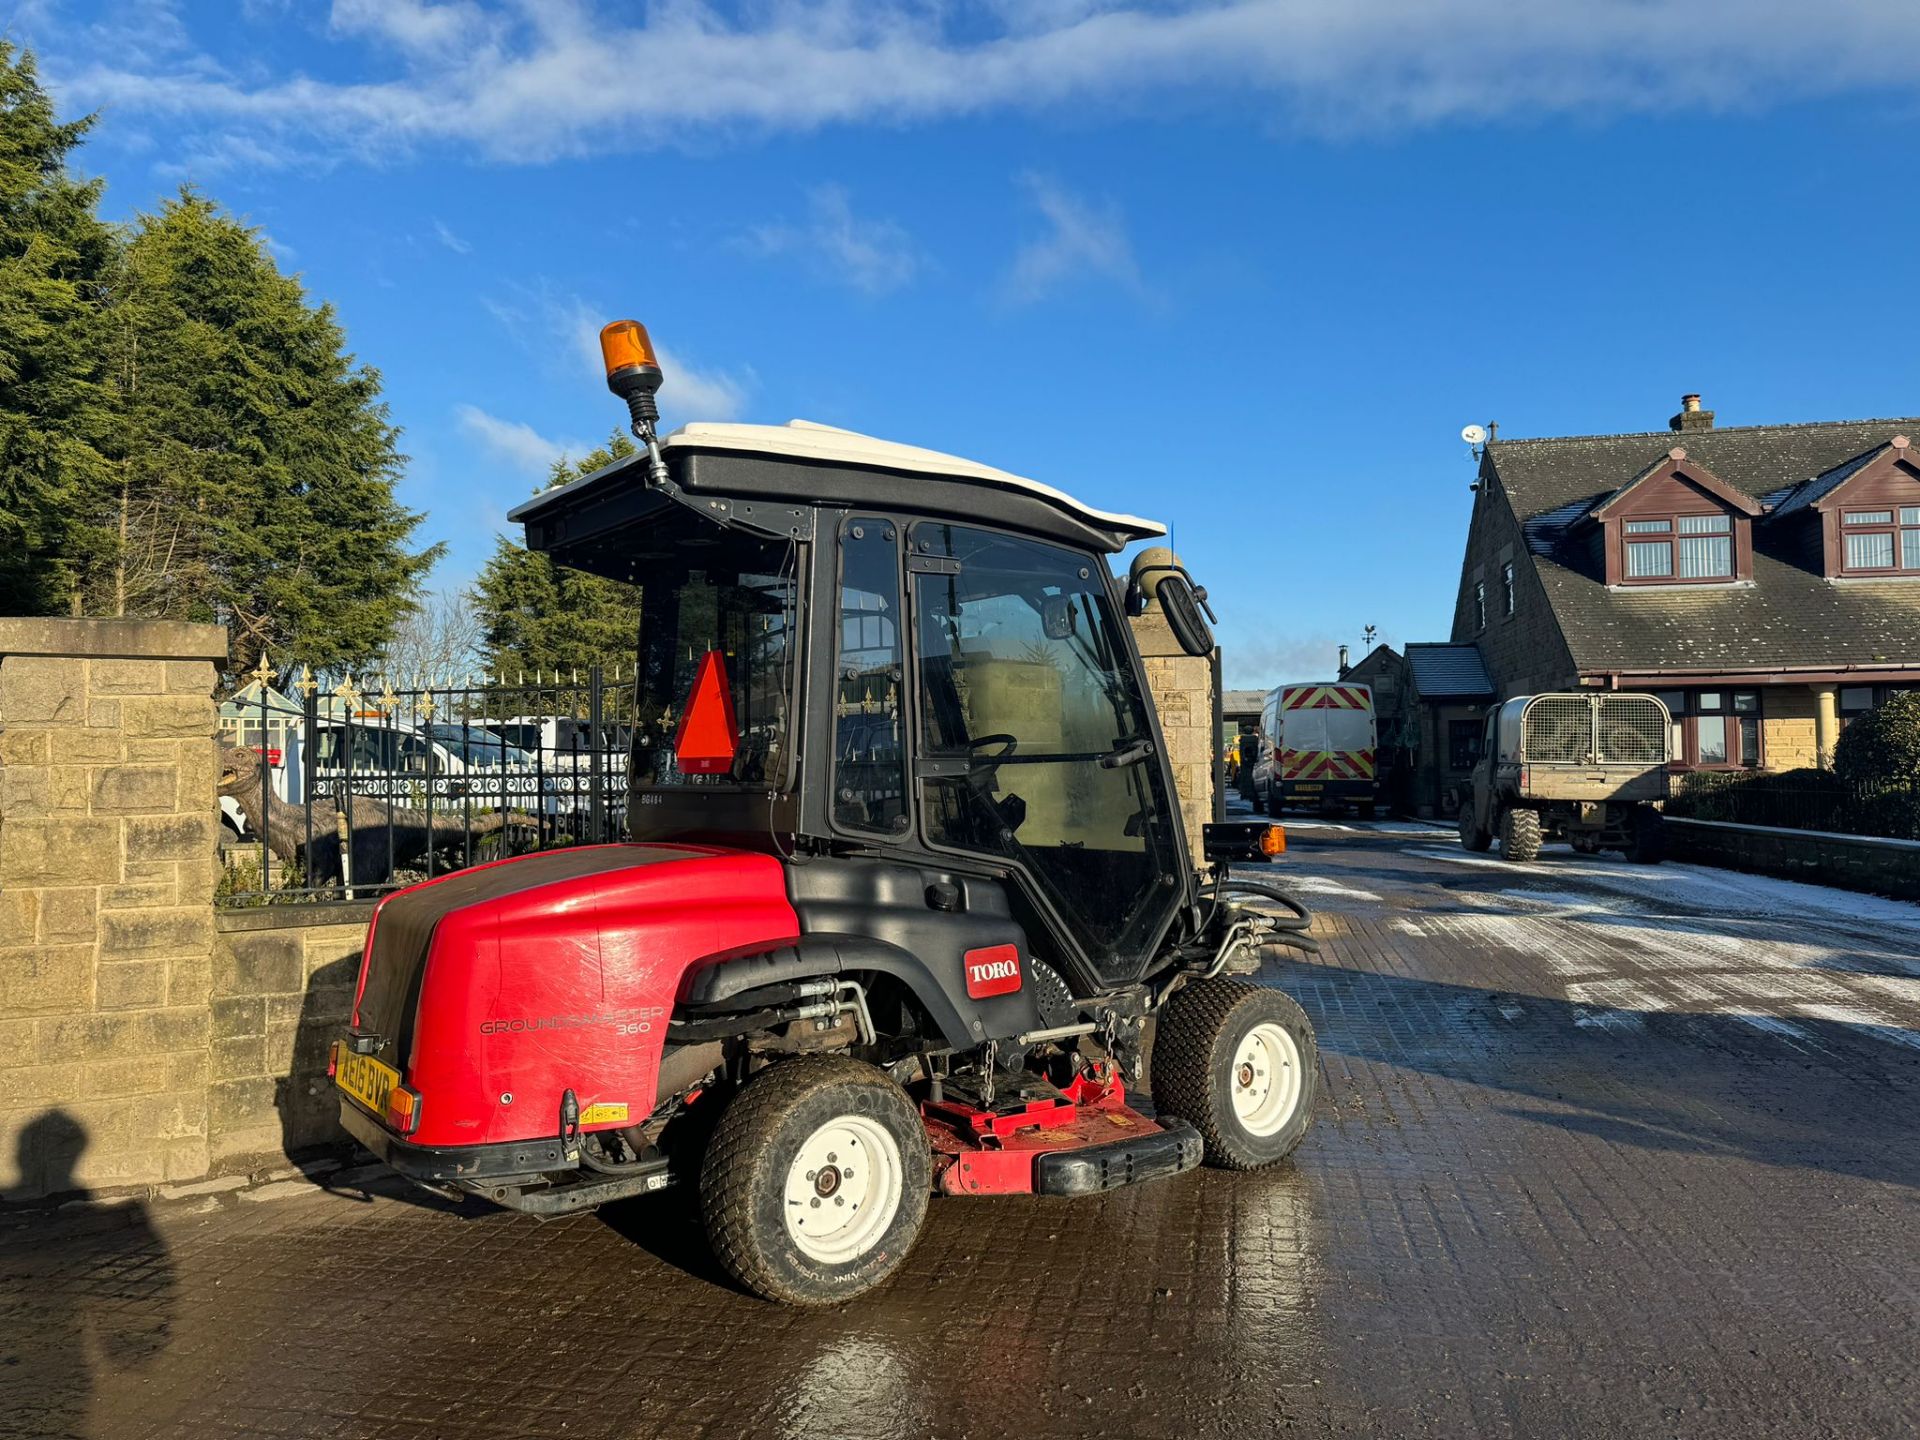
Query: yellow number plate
367, 1080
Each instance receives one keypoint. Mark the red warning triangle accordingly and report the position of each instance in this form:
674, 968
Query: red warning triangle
709, 737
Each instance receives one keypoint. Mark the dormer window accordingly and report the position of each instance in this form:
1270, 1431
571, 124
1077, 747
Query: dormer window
1685, 547
1881, 542
1676, 523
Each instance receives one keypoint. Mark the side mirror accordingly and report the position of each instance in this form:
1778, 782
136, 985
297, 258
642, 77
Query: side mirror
1180, 603
1058, 616
1157, 574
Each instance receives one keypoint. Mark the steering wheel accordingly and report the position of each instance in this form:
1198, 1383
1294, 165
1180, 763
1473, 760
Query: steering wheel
982, 766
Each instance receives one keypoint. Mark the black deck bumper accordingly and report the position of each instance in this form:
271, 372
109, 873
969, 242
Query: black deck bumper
462, 1165
1173, 1148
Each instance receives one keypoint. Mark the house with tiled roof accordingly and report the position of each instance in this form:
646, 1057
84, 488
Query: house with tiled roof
1763, 580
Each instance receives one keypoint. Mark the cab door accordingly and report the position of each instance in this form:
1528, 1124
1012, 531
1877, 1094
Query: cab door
1035, 746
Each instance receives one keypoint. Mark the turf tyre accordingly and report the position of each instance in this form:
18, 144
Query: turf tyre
745, 1175
1199, 1039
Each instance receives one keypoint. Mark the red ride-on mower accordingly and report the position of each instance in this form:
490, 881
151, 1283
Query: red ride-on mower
908, 889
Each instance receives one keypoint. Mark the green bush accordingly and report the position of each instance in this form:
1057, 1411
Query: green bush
1881, 749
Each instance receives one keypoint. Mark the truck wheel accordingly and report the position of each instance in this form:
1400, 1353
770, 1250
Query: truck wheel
816, 1181
1240, 1063
1274, 807
1647, 843
1472, 837
1519, 834
1368, 809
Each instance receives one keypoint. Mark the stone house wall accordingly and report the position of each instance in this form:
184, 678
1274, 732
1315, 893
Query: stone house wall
1182, 690
1525, 653
1789, 729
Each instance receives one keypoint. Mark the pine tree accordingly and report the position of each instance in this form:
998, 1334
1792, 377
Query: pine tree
254, 465
55, 254
540, 616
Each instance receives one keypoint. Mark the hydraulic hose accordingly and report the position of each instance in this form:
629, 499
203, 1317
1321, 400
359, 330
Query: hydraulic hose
1298, 916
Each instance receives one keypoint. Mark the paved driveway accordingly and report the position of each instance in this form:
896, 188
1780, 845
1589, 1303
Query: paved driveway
1601, 1151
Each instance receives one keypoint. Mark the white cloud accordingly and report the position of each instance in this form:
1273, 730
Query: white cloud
525, 82
872, 256
444, 234
557, 325
1082, 238
688, 392
520, 445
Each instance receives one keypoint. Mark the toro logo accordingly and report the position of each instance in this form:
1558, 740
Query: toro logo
994, 970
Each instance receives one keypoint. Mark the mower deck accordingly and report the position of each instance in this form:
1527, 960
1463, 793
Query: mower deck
1079, 1141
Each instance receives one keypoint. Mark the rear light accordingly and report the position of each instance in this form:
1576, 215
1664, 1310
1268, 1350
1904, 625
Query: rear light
403, 1110
1274, 841
333, 1058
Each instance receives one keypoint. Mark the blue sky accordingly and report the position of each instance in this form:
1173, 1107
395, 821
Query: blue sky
1243, 266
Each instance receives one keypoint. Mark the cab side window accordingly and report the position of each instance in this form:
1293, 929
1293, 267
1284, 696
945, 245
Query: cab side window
869, 758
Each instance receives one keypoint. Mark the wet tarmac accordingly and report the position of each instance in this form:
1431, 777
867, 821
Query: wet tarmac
1601, 1151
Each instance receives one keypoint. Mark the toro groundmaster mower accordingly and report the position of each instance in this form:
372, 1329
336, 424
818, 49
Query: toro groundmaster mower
907, 896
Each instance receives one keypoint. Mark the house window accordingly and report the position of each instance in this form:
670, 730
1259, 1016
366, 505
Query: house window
1706, 547
1684, 547
1649, 559
1506, 589
1715, 728
1463, 744
1885, 542
1480, 605
1857, 700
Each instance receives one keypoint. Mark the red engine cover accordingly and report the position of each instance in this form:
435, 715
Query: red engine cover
546, 980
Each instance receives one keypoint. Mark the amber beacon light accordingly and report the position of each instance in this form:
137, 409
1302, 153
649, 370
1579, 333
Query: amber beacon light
633, 373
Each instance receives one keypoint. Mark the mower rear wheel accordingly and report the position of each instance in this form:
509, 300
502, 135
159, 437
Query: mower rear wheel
816, 1180
1239, 1062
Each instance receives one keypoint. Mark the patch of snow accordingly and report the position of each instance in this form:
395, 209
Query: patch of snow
1773, 1025
1321, 885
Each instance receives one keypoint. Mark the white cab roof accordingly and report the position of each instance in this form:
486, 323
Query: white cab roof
806, 440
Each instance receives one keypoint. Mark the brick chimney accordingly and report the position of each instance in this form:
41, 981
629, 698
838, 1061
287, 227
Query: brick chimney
1691, 416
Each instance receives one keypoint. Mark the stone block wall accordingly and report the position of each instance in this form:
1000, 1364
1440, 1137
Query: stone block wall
1182, 691
1789, 730
107, 874
283, 981
1848, 862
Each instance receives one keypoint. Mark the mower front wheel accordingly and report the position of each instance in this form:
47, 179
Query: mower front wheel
1239, 1062
816, 1181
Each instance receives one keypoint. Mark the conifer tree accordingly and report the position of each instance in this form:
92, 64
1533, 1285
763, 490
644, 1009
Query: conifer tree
54, 258
253, 465
540, 616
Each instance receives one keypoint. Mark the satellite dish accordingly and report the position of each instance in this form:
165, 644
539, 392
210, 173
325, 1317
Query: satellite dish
1474, 434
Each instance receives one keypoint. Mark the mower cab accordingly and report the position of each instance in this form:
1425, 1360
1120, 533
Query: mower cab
905, 888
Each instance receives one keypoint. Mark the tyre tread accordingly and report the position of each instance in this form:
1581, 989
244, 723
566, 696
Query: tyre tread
1183, 1047
742, 1140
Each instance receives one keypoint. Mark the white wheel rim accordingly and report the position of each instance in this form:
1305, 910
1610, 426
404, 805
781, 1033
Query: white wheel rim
1266, 1081
843, 1189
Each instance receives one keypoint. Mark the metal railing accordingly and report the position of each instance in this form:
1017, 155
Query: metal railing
1800, 800
355, 789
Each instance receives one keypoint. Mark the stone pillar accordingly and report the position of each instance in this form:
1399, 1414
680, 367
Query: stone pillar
1826, 724
107, 875
1182, 693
